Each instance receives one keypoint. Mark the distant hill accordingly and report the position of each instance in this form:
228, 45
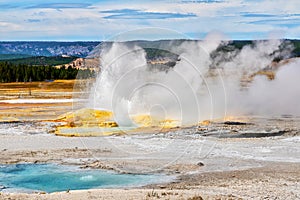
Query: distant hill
30, 48
154, 49
13, 56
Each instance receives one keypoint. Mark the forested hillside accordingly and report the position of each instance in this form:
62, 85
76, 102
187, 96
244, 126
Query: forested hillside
40, 60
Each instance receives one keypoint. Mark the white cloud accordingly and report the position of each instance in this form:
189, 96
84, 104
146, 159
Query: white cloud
88, 21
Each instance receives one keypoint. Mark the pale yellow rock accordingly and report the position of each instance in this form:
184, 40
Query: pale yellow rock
87, 114
143, 120
169, 123
205, 123
85, 131
8, 119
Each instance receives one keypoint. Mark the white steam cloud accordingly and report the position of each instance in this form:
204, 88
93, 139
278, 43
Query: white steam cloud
198, 87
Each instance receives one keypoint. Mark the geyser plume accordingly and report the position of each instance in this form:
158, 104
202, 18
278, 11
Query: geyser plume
128, 86
204, 83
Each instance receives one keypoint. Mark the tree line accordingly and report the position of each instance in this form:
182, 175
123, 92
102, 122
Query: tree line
25, 73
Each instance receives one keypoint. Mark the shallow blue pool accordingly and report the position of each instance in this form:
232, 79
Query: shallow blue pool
52, 177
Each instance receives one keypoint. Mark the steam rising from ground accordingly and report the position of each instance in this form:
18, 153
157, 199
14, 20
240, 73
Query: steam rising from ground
278, 97
200, 86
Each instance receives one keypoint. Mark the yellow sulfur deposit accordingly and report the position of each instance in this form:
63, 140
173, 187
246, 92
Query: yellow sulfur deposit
90, 122
86, 122
87, 114
149, 121
235, 118
88, 117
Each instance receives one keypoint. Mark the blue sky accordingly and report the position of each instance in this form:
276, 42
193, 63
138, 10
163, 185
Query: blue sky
71, 20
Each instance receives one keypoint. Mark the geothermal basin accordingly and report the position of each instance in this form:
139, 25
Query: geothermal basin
54, 178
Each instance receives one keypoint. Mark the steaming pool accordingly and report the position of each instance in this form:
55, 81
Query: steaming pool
55, 178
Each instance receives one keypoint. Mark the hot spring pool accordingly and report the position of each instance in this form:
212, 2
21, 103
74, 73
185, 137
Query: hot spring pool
53, 177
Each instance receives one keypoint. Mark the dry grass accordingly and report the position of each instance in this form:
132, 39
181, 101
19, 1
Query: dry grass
60, 89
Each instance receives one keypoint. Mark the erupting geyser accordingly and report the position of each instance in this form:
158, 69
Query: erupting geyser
203, 82
128, 86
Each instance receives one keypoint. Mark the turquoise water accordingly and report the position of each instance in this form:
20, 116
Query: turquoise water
52, 178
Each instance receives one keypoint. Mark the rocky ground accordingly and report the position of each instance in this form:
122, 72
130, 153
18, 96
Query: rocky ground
213, 168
